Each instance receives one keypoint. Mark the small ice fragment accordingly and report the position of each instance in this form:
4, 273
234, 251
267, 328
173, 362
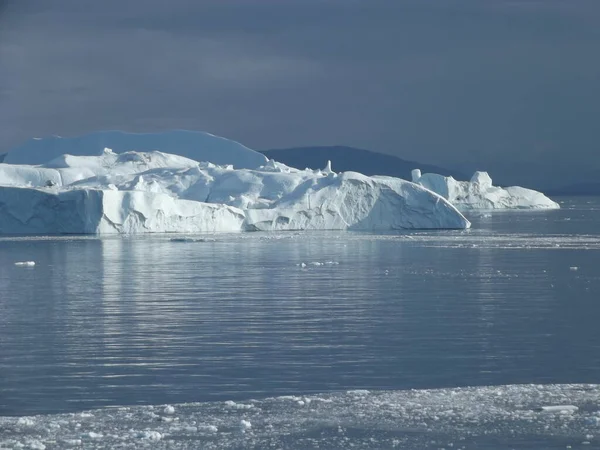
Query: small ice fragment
303, 265
245, 425
558, 408
25, 263
574, 268
359, 392
150, 435
169, 410
36, 445
26, 421
95, 435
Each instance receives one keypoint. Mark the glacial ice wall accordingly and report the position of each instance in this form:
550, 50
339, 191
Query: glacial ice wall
136, 192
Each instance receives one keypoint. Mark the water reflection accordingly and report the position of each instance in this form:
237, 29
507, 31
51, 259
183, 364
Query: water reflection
147, 320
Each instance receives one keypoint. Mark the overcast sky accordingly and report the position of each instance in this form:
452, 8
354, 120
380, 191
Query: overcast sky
428, 80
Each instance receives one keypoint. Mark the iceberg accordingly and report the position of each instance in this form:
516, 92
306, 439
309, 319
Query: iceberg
479, 193
146, 192
196, 145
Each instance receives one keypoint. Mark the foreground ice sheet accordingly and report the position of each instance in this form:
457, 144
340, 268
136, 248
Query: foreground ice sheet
479, 193
136, 192
518, 417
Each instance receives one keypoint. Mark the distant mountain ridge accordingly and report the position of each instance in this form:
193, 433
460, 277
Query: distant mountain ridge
344, 159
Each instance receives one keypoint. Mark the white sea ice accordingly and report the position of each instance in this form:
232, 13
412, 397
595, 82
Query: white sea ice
150, 435
523, 416
479, 193
245, 425
25, 263
559, 408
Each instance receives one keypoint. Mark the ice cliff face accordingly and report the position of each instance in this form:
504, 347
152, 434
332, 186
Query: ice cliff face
479, 193
134, 192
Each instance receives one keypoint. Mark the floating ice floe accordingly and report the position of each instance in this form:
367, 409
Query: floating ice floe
317, 264
147, 192
25, 263
479, 193
559, 408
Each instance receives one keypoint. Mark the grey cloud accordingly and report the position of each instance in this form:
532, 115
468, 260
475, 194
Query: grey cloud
430, 80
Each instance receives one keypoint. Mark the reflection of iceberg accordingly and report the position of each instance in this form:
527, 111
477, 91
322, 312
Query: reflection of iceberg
479, 193
136, 192
478, 417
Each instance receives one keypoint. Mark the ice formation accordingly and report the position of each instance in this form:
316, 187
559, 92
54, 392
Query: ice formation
519, 416
134, 192
195, 145
25, 264
479, 193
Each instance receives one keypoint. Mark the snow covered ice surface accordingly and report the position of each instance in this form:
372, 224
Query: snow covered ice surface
135, 192
495, 417
479, 193
196, 145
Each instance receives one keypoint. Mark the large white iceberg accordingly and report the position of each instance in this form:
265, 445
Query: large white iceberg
479, 193
136, 192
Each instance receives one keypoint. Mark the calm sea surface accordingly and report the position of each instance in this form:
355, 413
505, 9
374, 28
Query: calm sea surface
157, 319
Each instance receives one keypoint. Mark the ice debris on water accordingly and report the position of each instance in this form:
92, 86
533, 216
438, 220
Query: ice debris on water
573, 268
169, 410
500, 415
245, 425
36, 445
150, 435
317, 264
26, 421
558, 408
25, 263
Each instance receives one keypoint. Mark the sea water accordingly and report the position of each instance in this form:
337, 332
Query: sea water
416, 339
